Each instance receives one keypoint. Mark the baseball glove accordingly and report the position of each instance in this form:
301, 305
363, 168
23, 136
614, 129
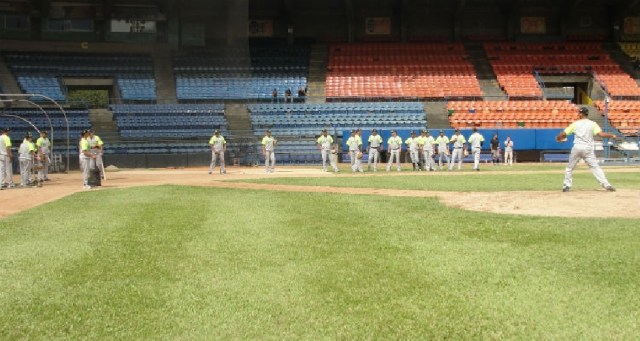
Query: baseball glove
466, 152
359, 156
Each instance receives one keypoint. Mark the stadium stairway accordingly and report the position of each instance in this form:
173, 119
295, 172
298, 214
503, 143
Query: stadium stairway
104, 125
317, 81
238, 119
165, 79
486, 77
437, 115
9, 83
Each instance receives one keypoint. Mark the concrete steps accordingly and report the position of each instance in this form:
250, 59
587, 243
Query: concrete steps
165, 78
238, 119
105, 126
487, 79
317, 81
437, 115
8, 83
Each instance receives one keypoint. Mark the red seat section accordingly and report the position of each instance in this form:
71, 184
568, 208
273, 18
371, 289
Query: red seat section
511, 114
515, 65
389, 70
623, 115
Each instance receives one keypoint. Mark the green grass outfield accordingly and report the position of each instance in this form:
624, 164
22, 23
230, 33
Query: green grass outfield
188, 263
548, 179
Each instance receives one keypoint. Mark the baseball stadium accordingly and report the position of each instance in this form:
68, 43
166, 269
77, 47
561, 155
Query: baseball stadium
319, 169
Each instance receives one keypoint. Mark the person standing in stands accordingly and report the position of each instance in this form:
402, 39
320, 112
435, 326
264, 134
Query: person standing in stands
95, 144
394, 143
508, 151
375, 143
26, 154
355, 145
328, 150
413, 148
443, 148
287, 96
6, 171
274, 96
218, 148
269, 151
458, 144
86, 158
476, 140
495, 149
44, 150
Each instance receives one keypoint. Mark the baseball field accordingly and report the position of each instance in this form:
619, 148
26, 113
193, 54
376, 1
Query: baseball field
303, 254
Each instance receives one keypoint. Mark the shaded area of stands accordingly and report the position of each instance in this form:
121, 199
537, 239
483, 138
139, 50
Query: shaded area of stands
511, 114
169, 121
411, 70
623, 115
43, 73
515, 65
226, 73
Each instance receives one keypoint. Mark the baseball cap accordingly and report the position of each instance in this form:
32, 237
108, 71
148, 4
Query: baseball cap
216, 131
324, 130
394, 131
268, 130
6, 130
27, 134
441, 131
413, 132
584, 111
374, 130
353, 131
423, 131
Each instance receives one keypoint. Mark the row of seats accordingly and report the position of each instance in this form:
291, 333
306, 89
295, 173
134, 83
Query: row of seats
42, 72
174, 121
212, 75
78, 120
298, 120
400, 71
509, 114
623, 115
514, 65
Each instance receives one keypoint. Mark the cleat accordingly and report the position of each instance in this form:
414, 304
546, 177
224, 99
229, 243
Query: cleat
565, 189
86, 187
610, 189
209, 172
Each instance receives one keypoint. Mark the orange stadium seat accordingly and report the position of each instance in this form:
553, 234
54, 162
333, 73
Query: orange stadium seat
511, 114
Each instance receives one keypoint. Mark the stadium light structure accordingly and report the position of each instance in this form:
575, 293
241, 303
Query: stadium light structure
25, 98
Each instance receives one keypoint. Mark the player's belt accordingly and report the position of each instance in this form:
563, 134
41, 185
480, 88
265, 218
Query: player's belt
458, 148
395, 148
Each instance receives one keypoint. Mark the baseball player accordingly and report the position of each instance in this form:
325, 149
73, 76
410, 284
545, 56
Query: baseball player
86, 158
268, 150
508, 151
583, 149
6, 173
413, 148
427, 142
95, 144
443, 148
44, 150
355, 145
375, 143
328, 151
218, 148
394, 143
26, 152
476, 140
458, 144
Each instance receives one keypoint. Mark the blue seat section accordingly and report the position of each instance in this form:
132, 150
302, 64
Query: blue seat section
300, 151
157, 148
169, 121
251, 73
78, 121
42, 72
307, 119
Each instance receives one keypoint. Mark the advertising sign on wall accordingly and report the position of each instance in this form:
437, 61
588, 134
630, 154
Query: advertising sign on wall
377, 26
533, 25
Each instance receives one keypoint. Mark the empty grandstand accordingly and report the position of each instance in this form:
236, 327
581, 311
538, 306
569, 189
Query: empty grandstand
40, 73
